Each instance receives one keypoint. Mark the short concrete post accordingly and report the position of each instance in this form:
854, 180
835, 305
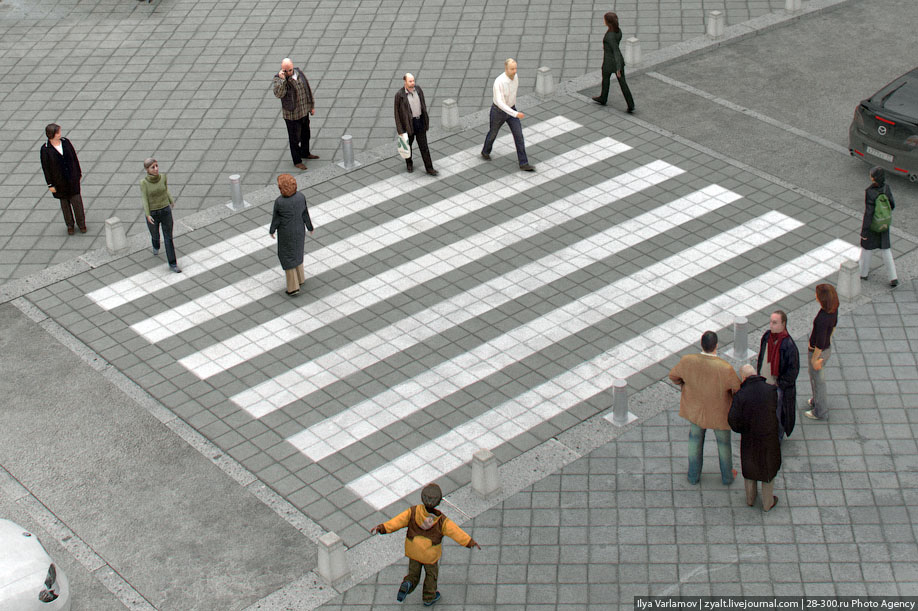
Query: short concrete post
849, 279
545, 84
632, 51
485, 480
332, 559
236, 191
740, 336
716, 23
115, 238
347, 153
450, 117
619, 402
793, 6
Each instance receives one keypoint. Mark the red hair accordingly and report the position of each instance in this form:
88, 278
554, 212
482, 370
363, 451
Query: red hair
827, 297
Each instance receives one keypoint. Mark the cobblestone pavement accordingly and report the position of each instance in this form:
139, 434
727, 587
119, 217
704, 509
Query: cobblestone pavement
484, 308
188, 81
624, 522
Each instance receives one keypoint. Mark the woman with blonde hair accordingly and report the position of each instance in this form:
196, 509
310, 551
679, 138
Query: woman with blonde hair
157, 209
288, 220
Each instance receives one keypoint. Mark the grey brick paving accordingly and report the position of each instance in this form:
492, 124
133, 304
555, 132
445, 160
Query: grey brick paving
607, 528
188, 81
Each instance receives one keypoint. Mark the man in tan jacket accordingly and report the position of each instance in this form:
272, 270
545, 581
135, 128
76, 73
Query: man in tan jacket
708, 383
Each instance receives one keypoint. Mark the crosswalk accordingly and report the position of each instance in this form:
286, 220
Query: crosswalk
626, 190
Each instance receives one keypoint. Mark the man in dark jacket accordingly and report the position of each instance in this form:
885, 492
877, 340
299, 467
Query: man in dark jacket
62, 171
752, 415
297, 103
411, 118
779, 354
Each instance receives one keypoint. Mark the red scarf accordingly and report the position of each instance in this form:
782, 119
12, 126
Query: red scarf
774, 346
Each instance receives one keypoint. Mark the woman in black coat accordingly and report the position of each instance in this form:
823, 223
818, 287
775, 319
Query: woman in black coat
613, 62
752, 415
871, 240
290, 215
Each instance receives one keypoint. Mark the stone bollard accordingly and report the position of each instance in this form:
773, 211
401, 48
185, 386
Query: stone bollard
347, 153
332, 559
740, 351
115, 238
545, 84
236, 191
620, 402
485, 480
793, 6
450, 117
632, 51
716, 22
849, 279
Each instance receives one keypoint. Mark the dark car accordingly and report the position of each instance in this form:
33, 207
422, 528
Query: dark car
884, 131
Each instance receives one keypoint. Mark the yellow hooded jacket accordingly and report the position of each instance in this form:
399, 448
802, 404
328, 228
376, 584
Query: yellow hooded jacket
425, 533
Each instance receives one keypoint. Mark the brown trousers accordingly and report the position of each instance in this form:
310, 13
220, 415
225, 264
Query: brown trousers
295, 277
72, 207
431, 573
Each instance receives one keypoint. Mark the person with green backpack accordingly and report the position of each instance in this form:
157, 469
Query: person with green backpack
878, 207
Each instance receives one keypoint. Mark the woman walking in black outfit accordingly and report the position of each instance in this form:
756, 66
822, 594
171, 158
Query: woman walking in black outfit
613, 62
288, 221
872, 240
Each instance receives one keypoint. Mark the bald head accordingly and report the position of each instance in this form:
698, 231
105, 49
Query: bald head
746, 371
510, 67
409, 81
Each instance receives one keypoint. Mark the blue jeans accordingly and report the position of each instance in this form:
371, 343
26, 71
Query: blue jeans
162, 218
696, 454
498, 118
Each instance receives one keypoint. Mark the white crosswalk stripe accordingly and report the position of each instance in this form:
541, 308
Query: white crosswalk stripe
324, 407
367, 417
207, 259
298, 383
409, 472
258, 340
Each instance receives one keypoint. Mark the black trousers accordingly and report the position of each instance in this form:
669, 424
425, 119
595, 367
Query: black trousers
162, 219
72, 207
420, 134
604, 94
298, 134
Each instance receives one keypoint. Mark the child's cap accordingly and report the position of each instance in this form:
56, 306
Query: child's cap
431, 496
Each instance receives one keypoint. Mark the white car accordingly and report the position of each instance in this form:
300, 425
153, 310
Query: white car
29, 579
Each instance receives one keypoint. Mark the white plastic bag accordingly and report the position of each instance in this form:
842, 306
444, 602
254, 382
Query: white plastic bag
401, 143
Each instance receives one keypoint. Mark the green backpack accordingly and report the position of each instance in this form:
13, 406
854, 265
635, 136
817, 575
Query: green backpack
882, 214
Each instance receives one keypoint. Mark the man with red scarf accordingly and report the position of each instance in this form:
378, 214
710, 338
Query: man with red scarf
779, 354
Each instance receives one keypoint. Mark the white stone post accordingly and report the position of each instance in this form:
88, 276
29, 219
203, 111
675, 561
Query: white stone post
793, 6
619, 402
115, 238
849, 279
632, 51
545, 84
332, 559
450, 117
716, 22
347, 152
485, 479
237, 202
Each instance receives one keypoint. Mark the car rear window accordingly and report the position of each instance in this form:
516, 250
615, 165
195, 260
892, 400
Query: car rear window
904, 96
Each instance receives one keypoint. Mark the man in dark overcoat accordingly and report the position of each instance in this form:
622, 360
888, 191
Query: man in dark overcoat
752, 415
411, 118
779, 354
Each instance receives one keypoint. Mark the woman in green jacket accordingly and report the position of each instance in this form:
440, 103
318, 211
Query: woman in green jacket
613, 62
157, 208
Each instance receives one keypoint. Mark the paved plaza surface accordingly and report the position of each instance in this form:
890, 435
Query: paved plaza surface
483, 308
189, 82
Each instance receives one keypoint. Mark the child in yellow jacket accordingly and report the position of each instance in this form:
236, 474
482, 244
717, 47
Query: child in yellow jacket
426, 527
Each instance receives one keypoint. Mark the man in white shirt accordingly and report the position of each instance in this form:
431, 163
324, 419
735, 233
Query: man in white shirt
503, 110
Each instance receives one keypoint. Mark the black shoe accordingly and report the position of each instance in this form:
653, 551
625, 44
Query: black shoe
863, 277
598, 100
430, 603
894, 283
410, 169
293, 293
175, 268
630, 111
527, 168
486, 156
403, 591
432, 172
